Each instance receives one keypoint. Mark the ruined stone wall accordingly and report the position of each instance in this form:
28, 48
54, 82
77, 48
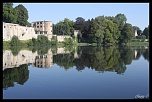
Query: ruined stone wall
22, 32
60, 38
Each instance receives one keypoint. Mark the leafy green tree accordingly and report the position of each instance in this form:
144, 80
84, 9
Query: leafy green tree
121, 20
9, 13
79, 23
99, 36
42, 40
15, 41
93, 28
138, 30
54, 40
22, 15
64, 27
112, 33
126, 34
146, 32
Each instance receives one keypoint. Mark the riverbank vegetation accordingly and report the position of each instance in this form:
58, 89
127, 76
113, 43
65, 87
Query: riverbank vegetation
102, 30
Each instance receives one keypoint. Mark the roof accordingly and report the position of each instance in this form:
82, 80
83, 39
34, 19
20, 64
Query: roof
42, 21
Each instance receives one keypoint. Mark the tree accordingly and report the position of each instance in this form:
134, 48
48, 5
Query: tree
15, 41
99, 36
112, 33
64, 27
22, 15
138, 30
126, 34
9, 13
93, 28
79, 23
146, 32
121, 20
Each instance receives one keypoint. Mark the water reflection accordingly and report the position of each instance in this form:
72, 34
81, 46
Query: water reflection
100, 59
17, 74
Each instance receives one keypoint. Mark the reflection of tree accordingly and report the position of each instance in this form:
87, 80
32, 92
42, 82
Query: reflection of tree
15, 50
65, 60
101, 59
41, 50
145, 54
127, 55
17, 74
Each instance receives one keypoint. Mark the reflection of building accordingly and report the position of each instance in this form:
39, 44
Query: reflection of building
43, 61
135, 53
26, 57
23, 57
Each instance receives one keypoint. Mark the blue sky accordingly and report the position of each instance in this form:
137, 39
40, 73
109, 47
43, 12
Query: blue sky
137, 13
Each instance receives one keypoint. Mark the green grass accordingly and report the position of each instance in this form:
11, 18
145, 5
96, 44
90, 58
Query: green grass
138, 44
87, 44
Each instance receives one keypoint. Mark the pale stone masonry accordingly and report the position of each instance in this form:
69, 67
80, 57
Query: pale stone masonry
26, 56
25, 33
22, 32
42, 27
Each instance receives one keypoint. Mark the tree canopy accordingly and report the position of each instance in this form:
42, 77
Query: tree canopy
18, 15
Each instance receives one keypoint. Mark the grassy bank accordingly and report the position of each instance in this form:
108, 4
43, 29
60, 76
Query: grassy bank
87, 44
138, 44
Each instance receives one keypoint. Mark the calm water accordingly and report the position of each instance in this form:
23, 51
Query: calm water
76, 73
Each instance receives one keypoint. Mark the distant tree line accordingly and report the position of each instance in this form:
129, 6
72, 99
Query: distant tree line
100, 30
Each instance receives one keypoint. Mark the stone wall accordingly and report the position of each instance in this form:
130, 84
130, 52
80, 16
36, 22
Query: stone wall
26, 56
60, 38
22, 32
26, 33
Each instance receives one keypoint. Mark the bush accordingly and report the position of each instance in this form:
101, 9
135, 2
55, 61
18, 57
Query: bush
15, 41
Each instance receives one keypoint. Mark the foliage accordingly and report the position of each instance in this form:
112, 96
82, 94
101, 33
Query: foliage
54, 40
15, 50
18, 15
65, 60
146, 32
64, 27
79, 23
15, 41
127, 33
22, 15
17, 74
138, 30
100, 59
9, 13
68, 41
41, 40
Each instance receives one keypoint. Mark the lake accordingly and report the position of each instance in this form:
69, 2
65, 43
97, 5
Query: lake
76, 73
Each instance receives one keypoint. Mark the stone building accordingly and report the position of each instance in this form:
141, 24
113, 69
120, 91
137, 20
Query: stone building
42, 27
26, 33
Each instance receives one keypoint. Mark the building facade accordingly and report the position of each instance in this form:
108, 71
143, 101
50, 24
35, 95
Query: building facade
22, 32
25, 33
42, 27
